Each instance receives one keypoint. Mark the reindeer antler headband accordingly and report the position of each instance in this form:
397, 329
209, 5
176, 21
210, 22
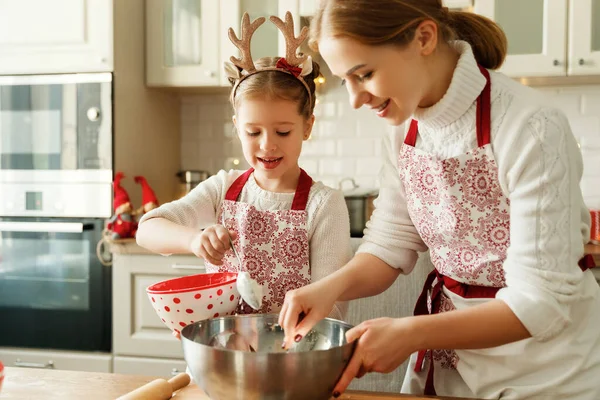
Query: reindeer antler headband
293, 64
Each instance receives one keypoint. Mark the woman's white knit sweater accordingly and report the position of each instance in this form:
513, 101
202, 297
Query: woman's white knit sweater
328, 223
539, 167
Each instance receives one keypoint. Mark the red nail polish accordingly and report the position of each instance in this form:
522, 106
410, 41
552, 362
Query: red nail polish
298, 338
336, 394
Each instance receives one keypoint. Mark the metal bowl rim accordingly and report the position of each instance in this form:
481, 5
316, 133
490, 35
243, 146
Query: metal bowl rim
256, 354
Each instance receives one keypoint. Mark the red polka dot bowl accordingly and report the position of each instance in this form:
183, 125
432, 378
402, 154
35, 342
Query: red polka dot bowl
182, 301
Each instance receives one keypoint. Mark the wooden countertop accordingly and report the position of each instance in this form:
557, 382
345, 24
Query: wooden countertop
33, 384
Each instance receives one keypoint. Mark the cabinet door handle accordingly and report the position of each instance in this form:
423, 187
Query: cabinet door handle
174, 372
185, 266
24, 364
581, 61
556, 63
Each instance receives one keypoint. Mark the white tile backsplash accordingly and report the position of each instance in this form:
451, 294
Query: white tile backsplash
347, 142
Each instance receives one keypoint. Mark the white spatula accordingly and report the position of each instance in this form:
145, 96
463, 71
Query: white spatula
250, 290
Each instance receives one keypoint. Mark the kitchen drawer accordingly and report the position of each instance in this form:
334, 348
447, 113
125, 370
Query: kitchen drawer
148, 366
52, 359
137, 329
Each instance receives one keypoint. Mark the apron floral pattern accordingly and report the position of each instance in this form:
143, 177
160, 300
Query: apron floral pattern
273, 245
460, 212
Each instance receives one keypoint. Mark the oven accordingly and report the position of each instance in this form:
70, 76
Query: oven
54, 292
56, 171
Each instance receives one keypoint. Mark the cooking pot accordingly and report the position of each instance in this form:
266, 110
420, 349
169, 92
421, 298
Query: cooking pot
189, 179
360, 205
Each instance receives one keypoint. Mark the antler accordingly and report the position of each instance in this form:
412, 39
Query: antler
292, 43
245, 62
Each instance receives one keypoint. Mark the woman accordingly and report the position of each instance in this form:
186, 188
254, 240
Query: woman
487, 178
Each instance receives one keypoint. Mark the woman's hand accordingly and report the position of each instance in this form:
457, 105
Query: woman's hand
303, 308
383, 344
211, 243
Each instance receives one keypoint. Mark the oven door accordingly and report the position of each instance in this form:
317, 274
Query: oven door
54, 292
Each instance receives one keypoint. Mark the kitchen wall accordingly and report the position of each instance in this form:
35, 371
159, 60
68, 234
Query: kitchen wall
347, 142
344, 143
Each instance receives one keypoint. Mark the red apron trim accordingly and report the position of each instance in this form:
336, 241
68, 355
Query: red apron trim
484, 107
302, 191
459, 288
587, 262
236, 187
465, 291
300, 197
411, 136
483, 117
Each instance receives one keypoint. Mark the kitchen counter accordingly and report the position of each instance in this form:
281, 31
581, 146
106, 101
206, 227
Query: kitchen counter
126, 246
33, 384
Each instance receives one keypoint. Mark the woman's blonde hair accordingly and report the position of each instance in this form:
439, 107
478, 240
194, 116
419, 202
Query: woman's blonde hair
277, 85
384, 22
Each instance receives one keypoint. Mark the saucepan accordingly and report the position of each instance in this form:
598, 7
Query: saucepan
360, 205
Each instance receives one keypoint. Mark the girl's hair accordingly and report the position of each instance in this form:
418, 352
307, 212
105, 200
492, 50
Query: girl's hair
385, 22
272, 84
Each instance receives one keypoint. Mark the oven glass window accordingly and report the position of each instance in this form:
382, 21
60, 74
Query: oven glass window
48, 273
37, 126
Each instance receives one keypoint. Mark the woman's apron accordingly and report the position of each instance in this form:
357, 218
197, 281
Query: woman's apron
462, 215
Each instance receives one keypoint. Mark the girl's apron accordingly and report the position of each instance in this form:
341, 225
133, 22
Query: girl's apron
273, 245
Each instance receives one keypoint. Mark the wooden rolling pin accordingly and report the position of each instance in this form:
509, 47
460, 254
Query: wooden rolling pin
158, 389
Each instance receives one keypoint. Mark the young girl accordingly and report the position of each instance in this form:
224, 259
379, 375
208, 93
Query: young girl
487, 177
288, 230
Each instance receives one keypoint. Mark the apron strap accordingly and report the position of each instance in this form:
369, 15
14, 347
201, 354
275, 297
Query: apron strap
483, 117
587, 262
300, 197
302, 191
411, 135
461, 289
484, 106
236, 187
465, 291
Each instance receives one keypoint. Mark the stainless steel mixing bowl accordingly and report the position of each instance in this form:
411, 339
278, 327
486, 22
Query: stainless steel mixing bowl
240, 357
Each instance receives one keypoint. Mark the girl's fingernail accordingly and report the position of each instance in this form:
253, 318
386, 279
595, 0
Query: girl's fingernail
298, 338
336, 394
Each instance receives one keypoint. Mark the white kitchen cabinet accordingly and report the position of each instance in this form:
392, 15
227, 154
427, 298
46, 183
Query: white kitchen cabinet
187, 40
267, 41
308, 7
537, 35
548, 38
182, 45
584, 37
148, 366
58, 36
137, 329
55, 359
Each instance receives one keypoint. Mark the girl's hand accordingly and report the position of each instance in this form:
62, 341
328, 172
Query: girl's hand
383, 344
211, 243
303, 308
